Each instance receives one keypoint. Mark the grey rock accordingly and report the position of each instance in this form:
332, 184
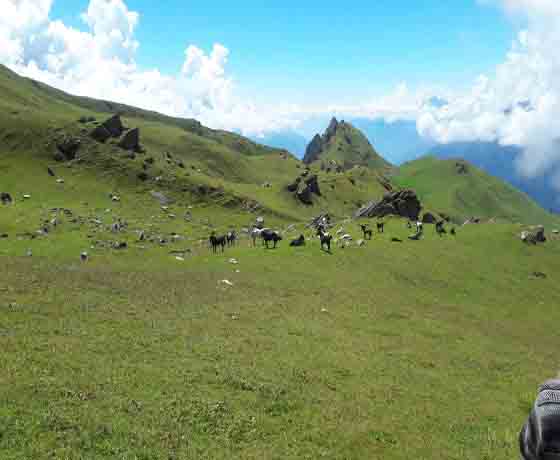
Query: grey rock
131, 140
403, 203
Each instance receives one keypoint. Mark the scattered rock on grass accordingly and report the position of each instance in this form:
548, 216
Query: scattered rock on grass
6, 198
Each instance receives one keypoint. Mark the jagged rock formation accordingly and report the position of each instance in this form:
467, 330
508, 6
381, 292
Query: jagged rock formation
403, 203
111, 127
344, 146
114, 128
304, 187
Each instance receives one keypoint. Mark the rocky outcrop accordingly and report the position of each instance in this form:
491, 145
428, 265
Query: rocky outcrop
331, 130
403, 203
68, 148
111, 127
131, 140
461, 168
313, 150
114, 126
100, 134
317, 144
304, 187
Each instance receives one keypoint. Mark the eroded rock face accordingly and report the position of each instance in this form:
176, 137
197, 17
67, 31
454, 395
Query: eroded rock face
403, 203
313, 150
131, 140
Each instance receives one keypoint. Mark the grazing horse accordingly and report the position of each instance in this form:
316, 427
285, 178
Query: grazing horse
440, 229
381, 227
325, 240
270, 235
298, 242
256, 233
231, 238
217, 241
368, 233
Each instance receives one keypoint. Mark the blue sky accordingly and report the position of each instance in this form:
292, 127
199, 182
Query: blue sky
307, 54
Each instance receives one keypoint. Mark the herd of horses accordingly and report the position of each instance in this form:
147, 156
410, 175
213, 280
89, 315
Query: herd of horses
268, 236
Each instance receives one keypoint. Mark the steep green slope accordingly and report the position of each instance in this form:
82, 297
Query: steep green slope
462, 191
189, 161
344, 146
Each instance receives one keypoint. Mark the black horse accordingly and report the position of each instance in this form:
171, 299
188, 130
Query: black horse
298, 242
217, 241
440, 228
368, 233
270, 235
231, 238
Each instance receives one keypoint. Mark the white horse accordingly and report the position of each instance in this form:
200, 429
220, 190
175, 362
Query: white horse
257, 233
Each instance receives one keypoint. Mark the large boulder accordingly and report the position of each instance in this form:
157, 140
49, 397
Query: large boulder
114, 126
131, 140
312, 183
293, 187
111, 127
403, 203
100, 134
69, 147
304, 187
304, 194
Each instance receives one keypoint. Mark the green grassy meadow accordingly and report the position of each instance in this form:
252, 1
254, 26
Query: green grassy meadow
395, 350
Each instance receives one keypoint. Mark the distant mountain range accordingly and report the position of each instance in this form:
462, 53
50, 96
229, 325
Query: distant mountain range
399, 142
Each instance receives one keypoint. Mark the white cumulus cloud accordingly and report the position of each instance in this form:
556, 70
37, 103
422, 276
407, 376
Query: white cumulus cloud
99, 61
520, 103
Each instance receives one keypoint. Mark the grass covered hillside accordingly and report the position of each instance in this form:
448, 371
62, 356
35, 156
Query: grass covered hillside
181, 157
342, 147
122, 336
461, 190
